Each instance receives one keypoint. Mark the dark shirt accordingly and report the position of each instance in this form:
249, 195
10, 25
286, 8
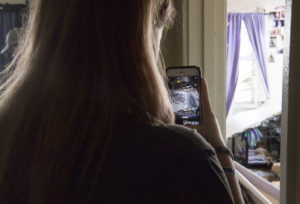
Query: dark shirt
161, 164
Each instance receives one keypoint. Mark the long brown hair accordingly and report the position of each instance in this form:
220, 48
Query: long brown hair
82, 69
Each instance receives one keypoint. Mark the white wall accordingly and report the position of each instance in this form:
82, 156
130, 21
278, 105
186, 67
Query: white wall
253, 5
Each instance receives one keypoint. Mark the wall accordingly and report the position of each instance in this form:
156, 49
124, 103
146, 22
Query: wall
253, 5
173, 46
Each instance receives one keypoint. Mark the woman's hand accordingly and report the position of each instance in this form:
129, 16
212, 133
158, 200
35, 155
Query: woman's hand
209, 127
211, 131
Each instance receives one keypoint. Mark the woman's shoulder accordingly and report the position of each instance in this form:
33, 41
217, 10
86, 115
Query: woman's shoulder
158, 137
187, 133
165, 135
211, 169
169, 159
184, 134
175, 138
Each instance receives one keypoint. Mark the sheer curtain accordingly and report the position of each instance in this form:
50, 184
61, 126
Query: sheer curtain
233, 51
255, 24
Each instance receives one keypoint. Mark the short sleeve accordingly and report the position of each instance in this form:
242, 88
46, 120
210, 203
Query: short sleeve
221, 188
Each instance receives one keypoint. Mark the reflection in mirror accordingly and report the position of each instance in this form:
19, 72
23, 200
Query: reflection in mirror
255, 66
12, 15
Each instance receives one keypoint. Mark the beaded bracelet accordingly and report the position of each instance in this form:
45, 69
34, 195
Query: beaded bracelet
224, 150
229, 171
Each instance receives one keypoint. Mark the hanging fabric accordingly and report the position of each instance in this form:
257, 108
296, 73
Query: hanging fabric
233, 51
255, 24
253, 136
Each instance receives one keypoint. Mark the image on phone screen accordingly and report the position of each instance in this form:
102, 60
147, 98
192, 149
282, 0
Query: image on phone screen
185, 99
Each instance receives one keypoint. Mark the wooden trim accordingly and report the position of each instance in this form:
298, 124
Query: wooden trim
214, 56
195, 33
207, 48
290, 140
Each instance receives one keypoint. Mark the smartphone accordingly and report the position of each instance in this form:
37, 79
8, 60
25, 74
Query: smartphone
184, 85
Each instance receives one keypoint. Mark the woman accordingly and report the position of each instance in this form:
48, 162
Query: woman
86, 117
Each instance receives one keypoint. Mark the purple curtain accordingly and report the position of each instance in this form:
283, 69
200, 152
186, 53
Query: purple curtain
255, 24
233, 52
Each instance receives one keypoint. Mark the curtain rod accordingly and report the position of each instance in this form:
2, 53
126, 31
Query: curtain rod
2, 5
265, 13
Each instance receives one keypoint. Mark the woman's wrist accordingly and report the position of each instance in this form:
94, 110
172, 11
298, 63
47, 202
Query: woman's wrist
217, 144
225, 157
223, 150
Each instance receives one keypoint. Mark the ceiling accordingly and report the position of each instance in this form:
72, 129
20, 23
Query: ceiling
253, 5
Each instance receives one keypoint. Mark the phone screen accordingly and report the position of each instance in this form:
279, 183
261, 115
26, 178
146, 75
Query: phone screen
185, 99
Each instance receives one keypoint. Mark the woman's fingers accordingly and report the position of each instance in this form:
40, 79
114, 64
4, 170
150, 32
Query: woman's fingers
205, 102
207, 118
